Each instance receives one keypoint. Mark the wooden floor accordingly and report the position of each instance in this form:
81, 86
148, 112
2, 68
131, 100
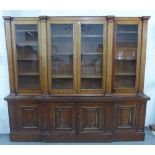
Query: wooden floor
149, 140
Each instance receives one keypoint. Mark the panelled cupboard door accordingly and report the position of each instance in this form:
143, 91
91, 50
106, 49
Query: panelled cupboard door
29, 116
62, 117
26, 52
61, 56
91, 118
91, 53
125, 115
127, 56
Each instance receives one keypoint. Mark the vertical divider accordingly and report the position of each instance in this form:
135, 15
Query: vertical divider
110, 36
104, 67
75, 57
143, 53
43, 49
10, 54
78, 54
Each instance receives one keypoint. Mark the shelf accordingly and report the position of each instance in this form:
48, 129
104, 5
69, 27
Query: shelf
121, 48
125, 59
62, 76
26, 30
126, 41
27, 43
125, 74
27, 59
91, 76
62, 53
92, 53
28, 74
59, 36
125, 32
91, 36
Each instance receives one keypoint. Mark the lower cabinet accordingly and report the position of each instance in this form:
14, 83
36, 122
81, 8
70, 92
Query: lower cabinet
76, 120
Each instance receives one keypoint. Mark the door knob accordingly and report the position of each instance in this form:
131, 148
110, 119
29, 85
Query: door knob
78, 116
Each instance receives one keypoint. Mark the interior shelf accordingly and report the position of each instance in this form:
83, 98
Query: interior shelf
126, 41
35, 43
26, 30
125, 32
91, 76
85, 53
62, 76
92, 36
125, 74
59, 36
63, 53
27, 59
125, 59
28, 74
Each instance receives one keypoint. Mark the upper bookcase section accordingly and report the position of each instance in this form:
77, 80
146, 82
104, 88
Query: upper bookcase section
76, 55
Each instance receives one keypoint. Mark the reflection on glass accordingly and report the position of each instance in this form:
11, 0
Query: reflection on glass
62, 56
91, 56
27, 56
125, 55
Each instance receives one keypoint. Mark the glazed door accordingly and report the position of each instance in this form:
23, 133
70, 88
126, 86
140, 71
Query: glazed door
127, 56
27, 63
61, 57
91, 56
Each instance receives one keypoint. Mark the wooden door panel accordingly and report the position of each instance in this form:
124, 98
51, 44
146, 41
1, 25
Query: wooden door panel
28, 115
90, 117
125, 117
62, 116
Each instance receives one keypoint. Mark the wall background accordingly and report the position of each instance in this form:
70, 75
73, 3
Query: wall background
149, 87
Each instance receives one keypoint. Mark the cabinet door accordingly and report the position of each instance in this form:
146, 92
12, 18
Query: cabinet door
26, 56
125, 115
90, 117
62, 117
91, 56
29, 116
127, 55
61, 56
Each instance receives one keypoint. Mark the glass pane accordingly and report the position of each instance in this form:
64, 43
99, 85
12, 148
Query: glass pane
125, 55
62, 56
87, 83
91, 56
62, 83
27, 56
124, 81
27, 82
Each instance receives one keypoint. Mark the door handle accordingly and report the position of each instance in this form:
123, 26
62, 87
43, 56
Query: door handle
78, 116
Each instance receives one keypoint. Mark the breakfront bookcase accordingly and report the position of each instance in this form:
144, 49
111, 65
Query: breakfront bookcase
76, 78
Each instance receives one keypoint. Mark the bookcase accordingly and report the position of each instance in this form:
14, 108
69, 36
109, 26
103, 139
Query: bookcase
76, 78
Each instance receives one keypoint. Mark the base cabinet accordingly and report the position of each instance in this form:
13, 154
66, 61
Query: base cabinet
94, 119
